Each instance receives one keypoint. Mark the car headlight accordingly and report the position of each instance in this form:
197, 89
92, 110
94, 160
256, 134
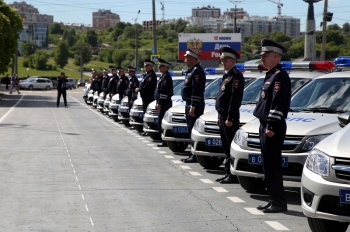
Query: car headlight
240, 137
168, 116
113, 102
318, 162
312, 141
148, 110
199, 125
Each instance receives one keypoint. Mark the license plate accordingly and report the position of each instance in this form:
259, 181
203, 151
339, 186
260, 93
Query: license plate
140, 115
180, 129
156, 121
257, 159
127, 111
213, 142
344, 196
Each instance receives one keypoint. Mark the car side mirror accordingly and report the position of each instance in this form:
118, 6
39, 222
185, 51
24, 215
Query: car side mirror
344, 119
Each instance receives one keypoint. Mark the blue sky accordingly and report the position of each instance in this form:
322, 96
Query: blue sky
80, 11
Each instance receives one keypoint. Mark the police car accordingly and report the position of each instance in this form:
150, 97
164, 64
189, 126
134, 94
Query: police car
206, 133
325, 183
100, 100
151, 116
86, 92
123, 112
106, 103
114, 107
313, 117
136, 112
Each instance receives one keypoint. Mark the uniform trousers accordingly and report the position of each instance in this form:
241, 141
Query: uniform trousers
64, 94
163, 108
271, 150
145, 103
227, 134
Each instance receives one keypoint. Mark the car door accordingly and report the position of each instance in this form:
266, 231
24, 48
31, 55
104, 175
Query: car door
40, 84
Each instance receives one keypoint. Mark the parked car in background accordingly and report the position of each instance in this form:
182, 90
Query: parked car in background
36, 83
54, 81
71, 84
81, 82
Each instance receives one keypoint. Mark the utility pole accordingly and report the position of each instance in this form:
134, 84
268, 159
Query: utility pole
136, 39
154, 28
324, 31
235, 18
81, 58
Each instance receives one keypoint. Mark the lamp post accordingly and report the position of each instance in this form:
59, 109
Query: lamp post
136, 39
27, 72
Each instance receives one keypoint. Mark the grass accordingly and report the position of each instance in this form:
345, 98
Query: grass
74, 73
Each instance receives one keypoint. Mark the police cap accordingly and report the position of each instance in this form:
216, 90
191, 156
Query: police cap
119, 69
112, 67
227, 52
131, 69
148, 62
163, 63
192, 53
271, 46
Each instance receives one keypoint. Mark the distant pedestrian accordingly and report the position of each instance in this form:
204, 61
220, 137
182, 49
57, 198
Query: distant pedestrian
14, 83
62, 89
7, 81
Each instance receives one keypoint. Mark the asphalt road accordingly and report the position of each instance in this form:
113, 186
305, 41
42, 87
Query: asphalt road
74, 169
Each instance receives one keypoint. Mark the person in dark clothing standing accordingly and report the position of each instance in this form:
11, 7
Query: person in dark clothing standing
193, 94
272, 110
123, 83
112, 90
133, 84
228, 102
163, 94
105, 83
62, 89
98, 84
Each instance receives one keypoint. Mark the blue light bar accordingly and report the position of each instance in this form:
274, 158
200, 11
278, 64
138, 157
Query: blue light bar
286, 65
342, 61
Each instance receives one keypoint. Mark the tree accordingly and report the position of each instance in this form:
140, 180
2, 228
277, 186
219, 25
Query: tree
194, 29
346, 27
38, 60
28, 48
180, 25
86, 55
92, 38
279, 37
61, 54
227, 30
333, 27
70, 36
10, 25
56, 28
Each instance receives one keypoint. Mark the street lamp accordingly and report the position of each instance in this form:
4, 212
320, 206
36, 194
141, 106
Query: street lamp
136, 39
27, 72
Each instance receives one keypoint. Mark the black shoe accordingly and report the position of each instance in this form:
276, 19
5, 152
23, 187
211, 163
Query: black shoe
144, 134
190, 160
220, 179
183, 160
275, 209
162, 144
228, 180
66, 106
262, 207
58, 106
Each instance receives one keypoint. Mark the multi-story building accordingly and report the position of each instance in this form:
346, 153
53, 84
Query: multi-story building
148, 24
35, 25
239, 12
104, 19
206, 12
77, 26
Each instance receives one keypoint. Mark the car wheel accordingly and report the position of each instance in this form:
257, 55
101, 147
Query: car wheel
86, 101
138, 128
126, 123
323, 225
154, 136
115, 118
252, 184
30, 87
210, 162
95, 104
176, 146
48, 88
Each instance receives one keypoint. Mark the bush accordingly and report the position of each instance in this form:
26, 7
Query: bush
49, 67
25, 62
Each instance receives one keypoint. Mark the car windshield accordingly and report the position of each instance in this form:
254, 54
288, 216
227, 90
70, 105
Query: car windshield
251, 94
248, 80
212, 90
296, 83
323, 95
177, 82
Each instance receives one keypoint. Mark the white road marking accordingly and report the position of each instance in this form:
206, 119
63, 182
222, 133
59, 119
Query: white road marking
82, 195
72, 165
79, 186
176, 161
162, 152
141, 138
235, 199
156, 148
169, 156
206, 181
70, 160
76, 178
254, 211
151, 145
74, 171
185, 167
92, 223
195, 174
68, 155
67, 151
87, 209
220, 189
10, 110
276, 225
146, 141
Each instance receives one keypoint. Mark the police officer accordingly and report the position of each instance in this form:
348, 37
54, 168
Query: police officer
163, 94
228, 102
93, 80
272, 110
113, 82
193, 94
105, 83
133, 84
148, 85
123, 83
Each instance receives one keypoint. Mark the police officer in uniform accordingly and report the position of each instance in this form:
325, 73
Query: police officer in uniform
193, 94
99, 83
228, 102
105, 83
148, 85
113, 82
93, 80
272, 110
163, 94
133, 84
123, 83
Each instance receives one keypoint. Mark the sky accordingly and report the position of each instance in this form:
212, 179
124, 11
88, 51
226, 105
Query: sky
80, 11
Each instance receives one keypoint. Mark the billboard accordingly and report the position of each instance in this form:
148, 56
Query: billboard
208, 44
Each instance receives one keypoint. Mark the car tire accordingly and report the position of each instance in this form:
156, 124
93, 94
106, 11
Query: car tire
30, 87
252, 184
138, 128
323, 225
209, 161
115, 118
95, 104
154, 136
126, 123
176, 146
48, 88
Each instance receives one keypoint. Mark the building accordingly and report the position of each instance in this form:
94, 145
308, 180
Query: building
148, 25
104, 19
240, 13
35, 25
77, 26
206, 12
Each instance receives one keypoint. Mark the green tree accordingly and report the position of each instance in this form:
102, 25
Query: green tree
28, 48
10, 25
180, 25
70, 36
346, 27
92, 38
56, 28
86, 55
194, 29
334, 27
227, 30
61, 54
335, 36
38, 60
119, 56
279, 37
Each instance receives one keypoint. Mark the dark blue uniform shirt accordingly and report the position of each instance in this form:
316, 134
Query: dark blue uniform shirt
164, 89
193, 90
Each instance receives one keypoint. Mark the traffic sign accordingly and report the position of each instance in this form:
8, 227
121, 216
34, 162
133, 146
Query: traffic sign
153, 50
155, 58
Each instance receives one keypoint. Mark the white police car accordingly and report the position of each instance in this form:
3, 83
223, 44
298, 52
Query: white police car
99, 102
86, 92
114, 107
325, 183
106, 103
206, 134
313, 117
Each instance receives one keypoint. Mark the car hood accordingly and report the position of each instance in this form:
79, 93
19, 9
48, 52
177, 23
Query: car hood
138, 102
177, 99
337, 144
180, 108
304, 124
115, 97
